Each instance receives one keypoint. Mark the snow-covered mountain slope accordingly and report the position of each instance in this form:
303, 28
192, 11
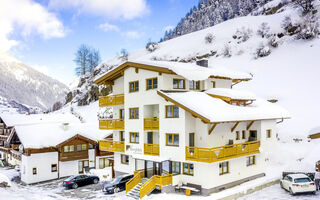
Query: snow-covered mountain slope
24, 85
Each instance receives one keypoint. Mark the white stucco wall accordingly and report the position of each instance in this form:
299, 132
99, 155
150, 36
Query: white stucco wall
68, 168
41, 161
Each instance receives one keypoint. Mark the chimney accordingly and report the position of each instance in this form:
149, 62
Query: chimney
65, 126
202, 63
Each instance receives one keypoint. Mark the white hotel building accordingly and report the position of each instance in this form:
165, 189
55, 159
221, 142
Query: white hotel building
179, 123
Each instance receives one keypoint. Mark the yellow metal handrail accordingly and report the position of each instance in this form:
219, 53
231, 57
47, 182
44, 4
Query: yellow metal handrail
111, 100
222, 153
151, 124
151, 149
111, 124
153, 182
110, 145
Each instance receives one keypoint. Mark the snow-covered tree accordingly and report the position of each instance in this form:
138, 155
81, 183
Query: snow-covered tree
82, 59
264, 30
93, 59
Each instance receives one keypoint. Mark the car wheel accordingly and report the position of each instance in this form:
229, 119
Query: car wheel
95, 181
74, 186
116, 190
290, 191
314, 192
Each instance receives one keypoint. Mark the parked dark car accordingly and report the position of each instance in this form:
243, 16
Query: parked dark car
80, 180
118, 184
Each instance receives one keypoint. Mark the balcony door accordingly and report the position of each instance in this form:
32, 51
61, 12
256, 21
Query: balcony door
253, 136
82, 165
191, 140
150, 137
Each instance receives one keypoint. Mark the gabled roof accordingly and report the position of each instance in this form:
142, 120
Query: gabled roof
80, 137
189, 71
215, 110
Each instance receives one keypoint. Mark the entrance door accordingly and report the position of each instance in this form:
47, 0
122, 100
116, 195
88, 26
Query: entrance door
150, 138
82, 165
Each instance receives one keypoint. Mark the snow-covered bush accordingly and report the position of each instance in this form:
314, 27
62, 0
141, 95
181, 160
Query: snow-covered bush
209, 38
262, 51
243, 34
264, 30
152, 46
289, 27
308, 28
273, 41
226, 51
306, 5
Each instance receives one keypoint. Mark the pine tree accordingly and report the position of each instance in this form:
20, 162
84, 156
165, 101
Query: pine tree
82, 59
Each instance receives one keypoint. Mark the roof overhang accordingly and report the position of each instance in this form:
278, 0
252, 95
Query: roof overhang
117, 72
80, 137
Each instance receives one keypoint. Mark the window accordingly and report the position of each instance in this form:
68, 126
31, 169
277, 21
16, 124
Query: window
172, 139
54, 168
121, 113
121, 135
178, 84
84, 147
134, 86
243, 134
172, 111
124, 159
213, 84
134, 113
269, 133
237, 135
176, 168
134, 137
79, 147
152, 83
103, 163
34, 171
251, 160
71, 148
188, 169
194, 85
90, 146
66, 149
223, 168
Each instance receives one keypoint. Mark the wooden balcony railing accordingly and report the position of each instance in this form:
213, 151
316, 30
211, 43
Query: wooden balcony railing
155, 180
151, 149
138, 175
110, 145
151, 124
210, 155
111, 100
111, 124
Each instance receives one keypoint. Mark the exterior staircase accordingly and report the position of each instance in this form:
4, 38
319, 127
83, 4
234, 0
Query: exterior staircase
135, 192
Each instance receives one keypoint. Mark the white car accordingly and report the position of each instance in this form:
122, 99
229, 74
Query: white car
298, 183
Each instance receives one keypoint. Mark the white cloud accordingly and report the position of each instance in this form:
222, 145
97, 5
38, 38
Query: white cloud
108, 27
168, 28
127, 9
132, 34
29, 17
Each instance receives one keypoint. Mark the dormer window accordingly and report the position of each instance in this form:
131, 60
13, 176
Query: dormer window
178, 84
194, 85
134, 86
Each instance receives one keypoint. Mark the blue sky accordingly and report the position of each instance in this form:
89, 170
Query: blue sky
49, 38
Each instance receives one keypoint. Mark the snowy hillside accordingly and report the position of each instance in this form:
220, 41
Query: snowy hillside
24, 85
282, 64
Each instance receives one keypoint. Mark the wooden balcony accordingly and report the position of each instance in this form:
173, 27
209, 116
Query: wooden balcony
110, 145
216, 154
111, 124
111, 100
151, 124
151, 149
76, 155
3, 137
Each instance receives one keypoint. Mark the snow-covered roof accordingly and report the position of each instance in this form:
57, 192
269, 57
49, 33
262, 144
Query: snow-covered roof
232, 93
33, 119
50, 135
315, 130
190, 71
212, 109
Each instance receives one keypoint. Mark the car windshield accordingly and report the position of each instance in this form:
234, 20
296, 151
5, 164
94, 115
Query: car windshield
302, 180
116, 180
